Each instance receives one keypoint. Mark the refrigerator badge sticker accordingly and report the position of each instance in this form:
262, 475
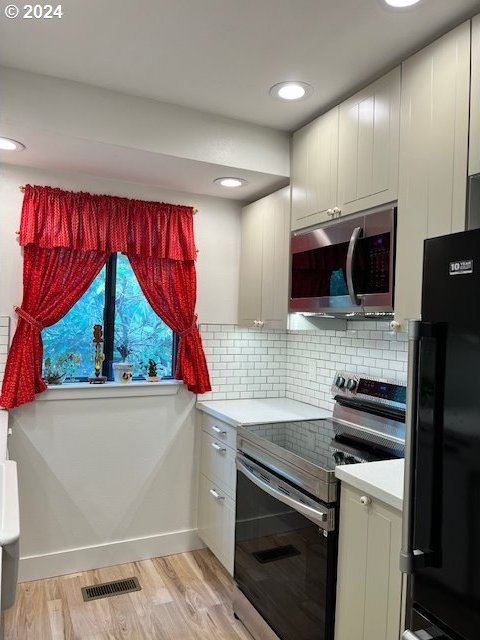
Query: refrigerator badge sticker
461, 267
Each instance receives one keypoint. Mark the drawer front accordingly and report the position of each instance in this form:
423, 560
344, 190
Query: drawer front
219, 430
218, 462
216, 521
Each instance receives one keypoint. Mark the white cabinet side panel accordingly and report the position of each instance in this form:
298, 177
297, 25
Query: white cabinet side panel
474, 159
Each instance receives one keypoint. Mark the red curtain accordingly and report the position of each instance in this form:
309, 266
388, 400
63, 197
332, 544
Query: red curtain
53, 281
67, 238
170, 288
55, 218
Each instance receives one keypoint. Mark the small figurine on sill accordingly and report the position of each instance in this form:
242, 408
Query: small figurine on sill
99, 355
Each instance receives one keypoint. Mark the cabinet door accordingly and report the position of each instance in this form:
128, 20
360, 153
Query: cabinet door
474, 160
264, 261
369, 582
216, 521
275, 254
369, 124
352, 567
433, 157
250, 288
314, 170
383, 580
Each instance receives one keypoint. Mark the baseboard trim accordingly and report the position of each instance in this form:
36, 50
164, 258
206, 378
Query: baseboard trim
59, 563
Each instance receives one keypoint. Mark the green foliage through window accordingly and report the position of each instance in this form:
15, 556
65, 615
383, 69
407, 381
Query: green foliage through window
136, 326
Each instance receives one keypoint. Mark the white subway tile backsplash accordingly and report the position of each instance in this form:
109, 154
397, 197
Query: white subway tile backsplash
255, 363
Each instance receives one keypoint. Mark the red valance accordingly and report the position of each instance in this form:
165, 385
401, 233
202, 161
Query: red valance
54, 218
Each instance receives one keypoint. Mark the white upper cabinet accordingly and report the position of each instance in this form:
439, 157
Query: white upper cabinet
314, 170
347, 160
264, 260
474, 159
433, 157
369, 125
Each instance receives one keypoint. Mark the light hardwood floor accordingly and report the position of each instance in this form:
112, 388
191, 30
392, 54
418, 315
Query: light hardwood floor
183, 597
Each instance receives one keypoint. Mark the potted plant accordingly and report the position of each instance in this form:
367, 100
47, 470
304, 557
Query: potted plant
152, 373
63, 368
52, 373
69, 363
123, 371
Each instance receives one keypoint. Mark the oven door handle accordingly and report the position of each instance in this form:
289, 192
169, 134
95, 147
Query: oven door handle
352, 246
317, 516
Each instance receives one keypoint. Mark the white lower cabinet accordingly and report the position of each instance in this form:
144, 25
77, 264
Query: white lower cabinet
369, 582
216, 521
216, 502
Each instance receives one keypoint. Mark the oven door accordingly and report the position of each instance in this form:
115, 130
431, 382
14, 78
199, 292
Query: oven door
285, 562
346, 267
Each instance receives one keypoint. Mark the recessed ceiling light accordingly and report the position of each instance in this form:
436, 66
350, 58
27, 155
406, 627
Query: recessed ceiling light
401, 3
7, 144
291, 91
230, 182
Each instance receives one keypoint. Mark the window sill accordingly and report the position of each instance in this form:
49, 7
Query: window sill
86, 391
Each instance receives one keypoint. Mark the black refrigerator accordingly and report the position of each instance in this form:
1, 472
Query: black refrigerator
441, 525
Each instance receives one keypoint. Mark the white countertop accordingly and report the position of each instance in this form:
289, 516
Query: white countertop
382, 480
261, 411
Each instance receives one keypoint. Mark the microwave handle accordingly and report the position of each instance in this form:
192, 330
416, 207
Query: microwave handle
352, 245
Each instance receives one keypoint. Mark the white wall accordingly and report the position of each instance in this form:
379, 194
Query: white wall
104, 481
82, 111
111, 480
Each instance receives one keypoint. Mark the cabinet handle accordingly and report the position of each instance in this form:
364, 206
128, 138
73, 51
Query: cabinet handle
365, 500
216, 495
221, 432
260, 323
218, 447
336, 211
330, 213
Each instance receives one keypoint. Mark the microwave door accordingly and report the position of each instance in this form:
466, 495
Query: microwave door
321, 271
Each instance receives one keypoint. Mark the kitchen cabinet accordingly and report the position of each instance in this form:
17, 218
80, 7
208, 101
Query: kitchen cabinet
314, 171
264, 260
369, 582
474, 158
216, 500
346, 160
369, 128
433, 157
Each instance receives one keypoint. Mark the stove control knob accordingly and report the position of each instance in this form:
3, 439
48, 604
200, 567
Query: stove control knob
351, 384
339, 457
340, 382
350, 460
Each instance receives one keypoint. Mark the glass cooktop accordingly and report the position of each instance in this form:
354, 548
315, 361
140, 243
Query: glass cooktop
311, 440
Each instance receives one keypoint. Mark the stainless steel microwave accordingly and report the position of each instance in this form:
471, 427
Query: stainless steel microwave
345, 267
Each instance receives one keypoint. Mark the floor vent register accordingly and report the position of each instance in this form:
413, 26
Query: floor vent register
108, 589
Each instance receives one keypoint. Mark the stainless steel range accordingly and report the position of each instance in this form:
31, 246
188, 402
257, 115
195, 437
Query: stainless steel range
287, 506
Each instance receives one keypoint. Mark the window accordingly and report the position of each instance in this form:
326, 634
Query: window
116, 301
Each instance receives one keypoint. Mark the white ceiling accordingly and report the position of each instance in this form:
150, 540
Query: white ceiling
222, 56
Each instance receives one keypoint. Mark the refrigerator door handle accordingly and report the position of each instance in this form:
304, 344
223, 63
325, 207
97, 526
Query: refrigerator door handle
407, 553
411, 557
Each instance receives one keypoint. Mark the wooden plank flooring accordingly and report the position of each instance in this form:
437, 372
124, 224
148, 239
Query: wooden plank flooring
183, 597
